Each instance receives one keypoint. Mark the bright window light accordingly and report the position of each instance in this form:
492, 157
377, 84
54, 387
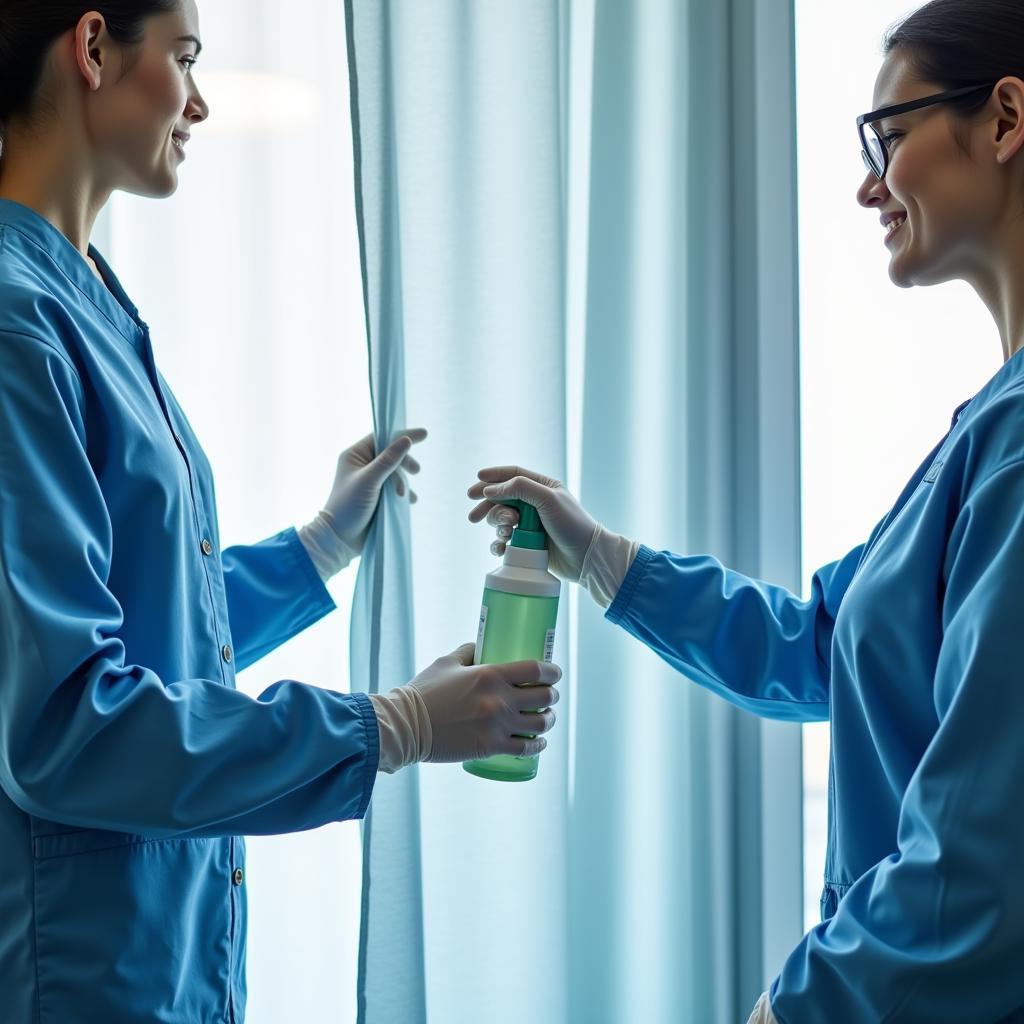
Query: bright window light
882, 368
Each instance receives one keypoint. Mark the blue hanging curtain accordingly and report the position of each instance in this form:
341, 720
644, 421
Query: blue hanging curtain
579, 240
689, 442
390, 980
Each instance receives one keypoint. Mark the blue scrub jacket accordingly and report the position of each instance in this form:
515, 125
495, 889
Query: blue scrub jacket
912, 645
129, 764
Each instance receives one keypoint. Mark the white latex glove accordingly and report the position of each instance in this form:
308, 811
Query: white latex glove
339, 531
569, 527
471, 711
581, 550
762, 1013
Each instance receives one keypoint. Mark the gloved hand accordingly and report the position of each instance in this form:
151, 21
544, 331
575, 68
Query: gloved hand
570, 529
339, 531
580, 549
457, 711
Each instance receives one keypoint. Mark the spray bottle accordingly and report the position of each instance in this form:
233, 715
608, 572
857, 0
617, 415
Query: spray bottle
517, 623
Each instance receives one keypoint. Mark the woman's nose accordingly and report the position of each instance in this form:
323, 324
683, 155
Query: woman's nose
196, 110
872, 190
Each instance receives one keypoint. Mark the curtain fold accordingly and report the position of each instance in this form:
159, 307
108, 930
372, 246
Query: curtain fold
459, 123
593, 274
390, 981
684, 448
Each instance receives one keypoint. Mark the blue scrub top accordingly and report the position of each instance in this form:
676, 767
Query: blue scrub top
129, 763
911, 645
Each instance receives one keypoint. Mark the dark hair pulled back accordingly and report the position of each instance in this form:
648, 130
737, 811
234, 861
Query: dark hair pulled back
956, 43
28, 28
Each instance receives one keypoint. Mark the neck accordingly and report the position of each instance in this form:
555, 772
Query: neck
999, 283
47, 173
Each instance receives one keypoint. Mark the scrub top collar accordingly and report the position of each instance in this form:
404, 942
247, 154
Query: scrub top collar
112, 300
1010, 373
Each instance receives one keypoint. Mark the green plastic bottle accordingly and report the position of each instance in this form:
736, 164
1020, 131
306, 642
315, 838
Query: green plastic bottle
517, 623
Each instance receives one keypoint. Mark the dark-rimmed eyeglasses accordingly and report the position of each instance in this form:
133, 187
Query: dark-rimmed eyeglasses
873, 148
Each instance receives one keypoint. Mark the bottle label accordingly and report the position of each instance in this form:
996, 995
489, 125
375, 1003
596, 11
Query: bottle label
481, 629
549, 645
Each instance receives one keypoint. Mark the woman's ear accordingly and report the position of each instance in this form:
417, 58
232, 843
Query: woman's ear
1009, 93
92, 49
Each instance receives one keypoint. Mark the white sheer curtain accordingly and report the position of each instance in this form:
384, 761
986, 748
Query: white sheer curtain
249, 277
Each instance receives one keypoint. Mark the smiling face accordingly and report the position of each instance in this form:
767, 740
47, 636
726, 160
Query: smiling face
955, 204
138, 122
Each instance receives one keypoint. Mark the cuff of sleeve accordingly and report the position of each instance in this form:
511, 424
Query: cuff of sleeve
607, 564
300, 555
620, 606
326, 550
372, 751
762, 1012
404, 726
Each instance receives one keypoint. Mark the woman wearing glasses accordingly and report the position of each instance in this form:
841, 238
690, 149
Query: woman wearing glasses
911, 644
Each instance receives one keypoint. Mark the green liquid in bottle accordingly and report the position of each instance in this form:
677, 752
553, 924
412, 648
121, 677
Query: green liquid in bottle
513, 627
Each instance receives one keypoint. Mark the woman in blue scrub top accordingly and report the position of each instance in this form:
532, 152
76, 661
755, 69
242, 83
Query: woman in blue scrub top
130, 765
912, 644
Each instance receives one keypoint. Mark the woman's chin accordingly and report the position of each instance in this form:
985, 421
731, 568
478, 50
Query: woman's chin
170, 188
907, 273
899, 276
165, 181
901, 270
156, 182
